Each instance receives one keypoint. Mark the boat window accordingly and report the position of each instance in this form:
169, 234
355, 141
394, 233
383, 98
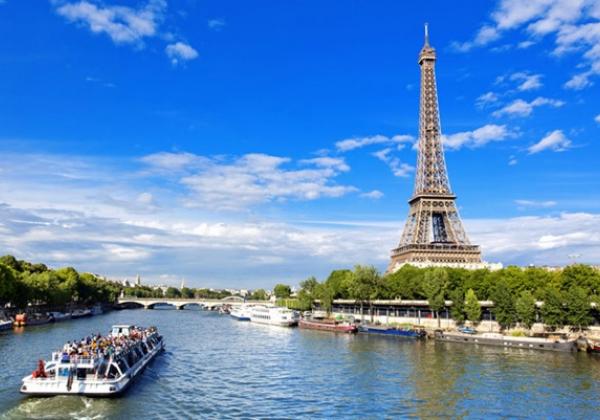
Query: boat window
113, 372
122, 365
81, 373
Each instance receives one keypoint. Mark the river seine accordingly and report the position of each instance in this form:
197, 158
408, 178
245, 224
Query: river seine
216, 367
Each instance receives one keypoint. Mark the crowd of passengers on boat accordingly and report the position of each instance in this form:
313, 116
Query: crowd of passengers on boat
104, 346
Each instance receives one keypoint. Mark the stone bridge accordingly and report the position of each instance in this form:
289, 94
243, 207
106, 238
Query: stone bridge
181, 303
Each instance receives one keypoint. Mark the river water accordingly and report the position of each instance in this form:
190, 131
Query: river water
216, 367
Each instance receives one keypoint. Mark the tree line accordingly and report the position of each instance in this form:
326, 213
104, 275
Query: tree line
566, 294
142, 291
23, 283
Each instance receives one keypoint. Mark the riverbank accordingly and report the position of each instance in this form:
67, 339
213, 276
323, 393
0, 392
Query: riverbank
36, 316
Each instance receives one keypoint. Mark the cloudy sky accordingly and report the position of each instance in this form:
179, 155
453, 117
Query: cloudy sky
236, 143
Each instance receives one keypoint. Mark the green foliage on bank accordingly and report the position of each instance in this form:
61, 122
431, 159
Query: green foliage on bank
567, 293
23, 283
142, 291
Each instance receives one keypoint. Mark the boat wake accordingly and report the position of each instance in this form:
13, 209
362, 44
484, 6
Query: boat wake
60, 407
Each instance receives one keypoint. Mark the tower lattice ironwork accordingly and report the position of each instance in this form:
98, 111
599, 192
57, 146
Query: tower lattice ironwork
433, 232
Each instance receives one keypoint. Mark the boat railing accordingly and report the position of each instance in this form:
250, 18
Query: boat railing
81, 360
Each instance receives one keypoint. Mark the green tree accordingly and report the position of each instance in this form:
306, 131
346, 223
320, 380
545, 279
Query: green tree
480, 281
365, 286
338, 282
525, 308
472, 307
457, 310
580, 275
324, 293
187, 293
405, 283
8, 284
12, 262
578, 307
504, 305
307, 293
172, 293
282, 291
434, 285
259, 294
553, 309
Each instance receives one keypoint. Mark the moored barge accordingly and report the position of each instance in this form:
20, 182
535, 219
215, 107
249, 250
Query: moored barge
97, 366
499, 340
331, 325
403, 332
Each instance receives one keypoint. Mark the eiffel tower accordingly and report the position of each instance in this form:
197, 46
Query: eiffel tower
433, 234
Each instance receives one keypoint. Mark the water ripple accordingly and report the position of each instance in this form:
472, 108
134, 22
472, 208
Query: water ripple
216, 367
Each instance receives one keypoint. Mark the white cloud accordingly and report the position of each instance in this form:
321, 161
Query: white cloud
575, 25
597, 118
579, 81
145, 198
375, 194
535, 203
173, 161
477, 138
180, 51
216, 24
359, 142
124, 25
525, 44
527, 81
521, 108
254, 179
555, 141
265, 252
399, 169
486, 99
338, 164
484, 36
81, 228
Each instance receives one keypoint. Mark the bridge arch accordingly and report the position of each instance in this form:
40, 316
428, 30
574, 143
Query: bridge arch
188, 305
131, 305
232, 299
161, 303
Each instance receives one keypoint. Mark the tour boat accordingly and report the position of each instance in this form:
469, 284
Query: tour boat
410, 332
96, 366
273, 315
5, 324
496, 339
241, 313
331, 325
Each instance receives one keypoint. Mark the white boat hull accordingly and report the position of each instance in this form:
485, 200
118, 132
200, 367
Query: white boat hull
289, 323
87, 387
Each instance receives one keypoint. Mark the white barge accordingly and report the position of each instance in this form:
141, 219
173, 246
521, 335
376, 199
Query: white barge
97, 366
496, 339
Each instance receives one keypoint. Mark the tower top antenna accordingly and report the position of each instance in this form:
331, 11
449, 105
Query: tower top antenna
426, 33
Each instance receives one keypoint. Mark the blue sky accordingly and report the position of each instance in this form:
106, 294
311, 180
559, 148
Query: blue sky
238, 143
